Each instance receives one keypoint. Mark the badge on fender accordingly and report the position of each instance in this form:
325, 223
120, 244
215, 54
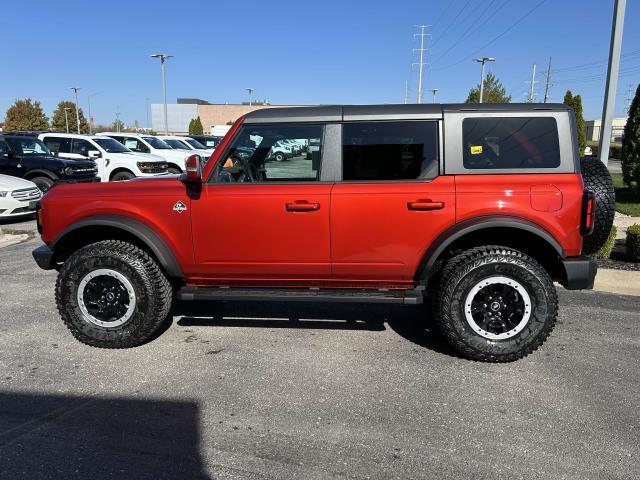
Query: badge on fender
179, 207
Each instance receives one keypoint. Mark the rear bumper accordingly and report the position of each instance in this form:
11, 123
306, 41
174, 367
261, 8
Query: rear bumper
44, 257
580, 273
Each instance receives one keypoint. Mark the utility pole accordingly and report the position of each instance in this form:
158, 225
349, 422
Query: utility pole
75, 89
629, 98
89, 108
249, 91
163, 57
532, 92
547, 84
66, 118
612, 80
406, 91
421, 63
434, 91
118, 121
483, 60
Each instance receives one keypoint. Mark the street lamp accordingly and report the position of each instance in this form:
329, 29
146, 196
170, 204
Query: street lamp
249, 91
483, 60
434, 91
75, 89
163, 57
89, 107
66, 118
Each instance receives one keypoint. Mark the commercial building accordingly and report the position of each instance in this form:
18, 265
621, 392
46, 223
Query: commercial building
592, 129
180, 114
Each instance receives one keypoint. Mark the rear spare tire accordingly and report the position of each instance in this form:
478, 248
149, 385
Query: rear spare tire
597, 179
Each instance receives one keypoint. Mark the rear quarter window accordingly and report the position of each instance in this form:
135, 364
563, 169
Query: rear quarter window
501, 143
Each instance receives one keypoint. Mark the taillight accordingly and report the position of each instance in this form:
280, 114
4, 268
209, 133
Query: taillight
588, 213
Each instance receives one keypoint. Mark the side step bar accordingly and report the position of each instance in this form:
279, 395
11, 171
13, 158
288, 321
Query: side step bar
407, 297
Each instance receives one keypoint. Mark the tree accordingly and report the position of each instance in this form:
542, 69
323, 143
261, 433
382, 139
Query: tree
58, 121
195, 127
26, 115
631, 144
494, 91
576, 104
118, 125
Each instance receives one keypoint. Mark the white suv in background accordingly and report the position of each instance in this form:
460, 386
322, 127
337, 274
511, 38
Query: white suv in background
115, 162
186, 143
16, 195
142, 143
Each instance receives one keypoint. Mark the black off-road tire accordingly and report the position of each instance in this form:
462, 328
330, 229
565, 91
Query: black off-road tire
43, 183
153, 293
597, 179
122, 176
466, 270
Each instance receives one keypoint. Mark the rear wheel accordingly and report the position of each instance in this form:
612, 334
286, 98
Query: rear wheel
112, 294
43, 183
495, 304
597, 179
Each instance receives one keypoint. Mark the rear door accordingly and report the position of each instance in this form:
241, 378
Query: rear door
391, 203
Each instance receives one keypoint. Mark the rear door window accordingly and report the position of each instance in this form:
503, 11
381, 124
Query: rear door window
389, 150
58, 144
81, 147
499, 143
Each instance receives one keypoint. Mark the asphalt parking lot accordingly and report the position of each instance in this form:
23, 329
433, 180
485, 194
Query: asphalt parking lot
312, 391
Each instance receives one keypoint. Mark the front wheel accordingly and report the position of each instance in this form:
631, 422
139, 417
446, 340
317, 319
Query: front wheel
495, 304
122, 176
112, 294
43, 183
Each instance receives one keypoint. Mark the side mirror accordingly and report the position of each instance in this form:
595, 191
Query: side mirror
194, 169
94, 154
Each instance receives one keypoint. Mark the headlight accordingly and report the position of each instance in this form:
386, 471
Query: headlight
152, 167
3, 194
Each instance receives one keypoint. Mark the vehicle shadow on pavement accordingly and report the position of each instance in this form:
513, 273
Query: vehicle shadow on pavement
60, 436
414, 323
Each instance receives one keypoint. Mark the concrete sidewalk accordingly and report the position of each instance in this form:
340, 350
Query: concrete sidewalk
617, 281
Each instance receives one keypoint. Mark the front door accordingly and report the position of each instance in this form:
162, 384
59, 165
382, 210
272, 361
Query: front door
391, 203
8, 162
258, 221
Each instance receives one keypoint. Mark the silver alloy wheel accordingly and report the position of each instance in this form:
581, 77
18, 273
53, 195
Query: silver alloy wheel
497, 308
108, 291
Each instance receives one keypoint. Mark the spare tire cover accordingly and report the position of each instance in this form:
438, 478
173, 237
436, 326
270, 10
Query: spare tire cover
597, 179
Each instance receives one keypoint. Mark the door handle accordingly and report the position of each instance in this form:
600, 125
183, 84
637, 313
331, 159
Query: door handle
302, 206
424, 205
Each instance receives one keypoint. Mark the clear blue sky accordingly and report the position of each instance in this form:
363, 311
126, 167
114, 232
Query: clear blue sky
296, 52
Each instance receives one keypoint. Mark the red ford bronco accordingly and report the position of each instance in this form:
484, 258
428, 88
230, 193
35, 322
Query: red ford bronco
478, 207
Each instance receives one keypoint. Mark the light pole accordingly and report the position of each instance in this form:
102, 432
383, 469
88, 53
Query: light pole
75, 89
163, 57
434, 91
146, 100
483, 60
66, 118
249, 91
89, 107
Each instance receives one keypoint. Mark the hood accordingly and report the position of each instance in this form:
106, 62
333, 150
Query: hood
9, 183
138, 157
173, 154
58, 161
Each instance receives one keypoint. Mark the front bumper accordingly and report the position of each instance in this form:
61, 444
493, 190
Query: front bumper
44, 257
580, 273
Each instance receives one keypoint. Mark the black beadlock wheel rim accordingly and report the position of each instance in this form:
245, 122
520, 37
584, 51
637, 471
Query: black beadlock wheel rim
106, 298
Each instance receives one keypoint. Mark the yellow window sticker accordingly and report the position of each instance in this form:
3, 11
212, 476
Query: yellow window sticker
476, 149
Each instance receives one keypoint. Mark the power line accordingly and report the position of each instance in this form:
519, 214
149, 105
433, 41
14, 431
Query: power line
449, 5
444, 32
495, 39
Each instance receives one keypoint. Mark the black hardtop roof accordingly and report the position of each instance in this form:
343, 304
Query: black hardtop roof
338, 113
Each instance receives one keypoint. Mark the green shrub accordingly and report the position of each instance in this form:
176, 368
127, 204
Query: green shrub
605, 251
633, 243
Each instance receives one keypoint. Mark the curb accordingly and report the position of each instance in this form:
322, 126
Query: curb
617, 281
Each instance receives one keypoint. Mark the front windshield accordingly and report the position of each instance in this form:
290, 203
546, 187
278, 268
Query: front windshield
111, 146
195, 143
28, 146
155, 142
176, 144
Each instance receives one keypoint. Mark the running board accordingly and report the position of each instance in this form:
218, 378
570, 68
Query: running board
407, 297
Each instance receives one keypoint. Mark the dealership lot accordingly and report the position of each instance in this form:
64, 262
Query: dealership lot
248, 390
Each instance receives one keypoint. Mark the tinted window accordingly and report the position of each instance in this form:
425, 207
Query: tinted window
194, 143
389, 150
81, 147
110, 145
28, 146
157, 143
3, 147
264, 153
500, 143
57, 144
176, 144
